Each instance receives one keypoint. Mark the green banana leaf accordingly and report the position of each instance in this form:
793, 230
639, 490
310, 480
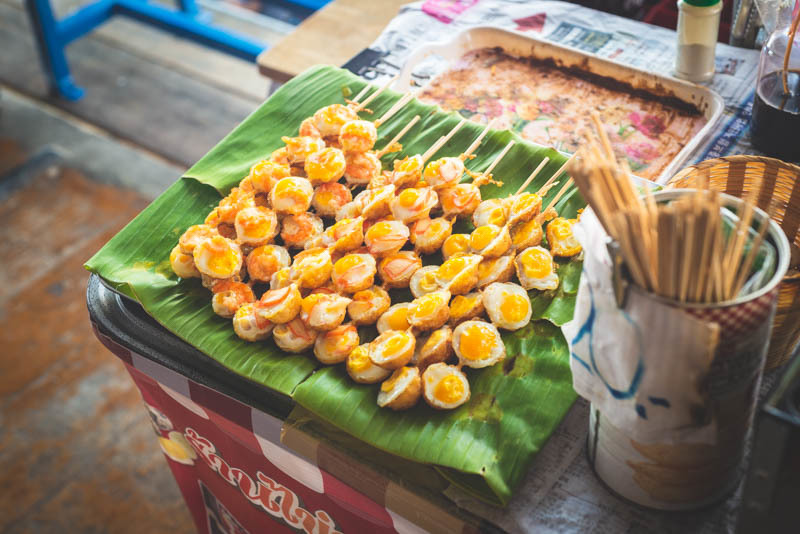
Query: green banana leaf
487, 444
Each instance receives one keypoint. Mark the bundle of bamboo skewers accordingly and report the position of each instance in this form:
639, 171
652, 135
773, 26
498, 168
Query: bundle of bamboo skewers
679, 250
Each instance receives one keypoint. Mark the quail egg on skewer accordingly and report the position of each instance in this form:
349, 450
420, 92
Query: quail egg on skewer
218, 258
182, 264
312, 268
493, 270
280, 305
386, 237
266, 173
368, 305
298, 149
392, 349
536, 269
490, 241
335, 345
401, 390
297, 230
264, 261
248, 326
377, 202
361, 168
291, 195
430, 311
560, 238
508, 305
308, 128
395, 318
527, 234
445, 387
397, 269
329, 198
455, 245
353, 272
423, 281
361, 369
194, 235
523, 207
326, 165
294, 336
492, 211
228, 207
280, 156
460, 200
444, 172
459, 274
281, 278
330, 119
256, 226
466, 307
323, 311
343, 236
413, 204
478, 344
229, 296
438, 347
358, 136
428, 235
407, 171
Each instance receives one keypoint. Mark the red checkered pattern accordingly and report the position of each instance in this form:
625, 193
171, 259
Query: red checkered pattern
738, 319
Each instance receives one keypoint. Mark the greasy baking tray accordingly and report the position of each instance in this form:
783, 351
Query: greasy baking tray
432, 60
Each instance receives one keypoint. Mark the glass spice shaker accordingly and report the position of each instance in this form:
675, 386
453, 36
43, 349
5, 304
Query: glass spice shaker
775, 122
698, 28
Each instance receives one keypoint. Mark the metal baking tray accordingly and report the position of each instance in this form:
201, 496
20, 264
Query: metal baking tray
431, 60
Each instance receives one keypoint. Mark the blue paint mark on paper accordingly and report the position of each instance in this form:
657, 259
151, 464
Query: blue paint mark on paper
659, 401
641, 411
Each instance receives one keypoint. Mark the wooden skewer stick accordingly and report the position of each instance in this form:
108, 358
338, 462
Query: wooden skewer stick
389, 146
556, 174
487, 173
405, 99
744, 269
360, 94
477, 141
441, 141
533, 175
377, 93
560, 194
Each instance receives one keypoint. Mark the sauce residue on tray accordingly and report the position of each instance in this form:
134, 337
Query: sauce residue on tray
551, 106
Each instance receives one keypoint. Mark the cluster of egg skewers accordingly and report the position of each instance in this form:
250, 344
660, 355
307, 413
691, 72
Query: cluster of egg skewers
334, 275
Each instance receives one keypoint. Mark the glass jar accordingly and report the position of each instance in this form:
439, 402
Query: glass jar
698, 28
775, 123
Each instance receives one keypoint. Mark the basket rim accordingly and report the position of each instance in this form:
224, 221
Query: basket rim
738, 158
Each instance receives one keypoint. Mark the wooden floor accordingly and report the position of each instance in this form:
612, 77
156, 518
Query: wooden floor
77, 450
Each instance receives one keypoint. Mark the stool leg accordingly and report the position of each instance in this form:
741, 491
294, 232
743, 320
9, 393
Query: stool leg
51, 50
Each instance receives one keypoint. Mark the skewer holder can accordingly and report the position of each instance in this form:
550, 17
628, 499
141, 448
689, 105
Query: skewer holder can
673, 385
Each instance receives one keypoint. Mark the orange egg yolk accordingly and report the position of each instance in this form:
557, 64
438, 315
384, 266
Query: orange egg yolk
427, 305
396, 344
223, 263
476, 342
454, 244
497, 217
359, 361
388, 385
408, 198
525, 231
290, 190
482, 237
536, 263
449, 389
526, 201
409, 165
310, 301
514, 307
347, 262
561, 228
452, 267
428, 281
398, 319
379, 230
461, 305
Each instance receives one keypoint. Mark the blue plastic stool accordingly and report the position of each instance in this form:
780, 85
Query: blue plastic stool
53, 35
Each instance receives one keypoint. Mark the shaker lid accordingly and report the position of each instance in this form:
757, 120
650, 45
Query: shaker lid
702, 3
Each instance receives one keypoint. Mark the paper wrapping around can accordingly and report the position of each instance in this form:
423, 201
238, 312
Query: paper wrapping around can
643, 366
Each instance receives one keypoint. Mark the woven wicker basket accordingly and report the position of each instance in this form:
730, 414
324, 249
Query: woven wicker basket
737, 175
